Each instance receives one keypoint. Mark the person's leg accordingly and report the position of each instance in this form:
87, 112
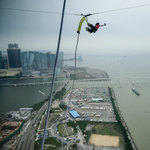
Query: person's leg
92, 27
89, 30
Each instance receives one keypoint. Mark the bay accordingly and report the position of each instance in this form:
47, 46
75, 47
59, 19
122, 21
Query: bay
15, 97
135, 109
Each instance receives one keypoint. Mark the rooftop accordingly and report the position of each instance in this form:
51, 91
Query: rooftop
74, 114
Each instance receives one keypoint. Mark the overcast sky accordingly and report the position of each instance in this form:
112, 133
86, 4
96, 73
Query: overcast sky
126, 31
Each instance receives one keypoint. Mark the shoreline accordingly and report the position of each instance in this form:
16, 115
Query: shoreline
97, 73
123, 122
7, 78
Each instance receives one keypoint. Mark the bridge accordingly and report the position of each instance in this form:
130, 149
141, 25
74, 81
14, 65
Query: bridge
113, 82
105, 82
34, 83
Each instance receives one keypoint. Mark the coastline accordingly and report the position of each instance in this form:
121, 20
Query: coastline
128, 134
97, 73
7, 78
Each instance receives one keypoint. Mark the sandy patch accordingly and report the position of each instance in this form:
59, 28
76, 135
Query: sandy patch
55, 104
89, 127
104, 140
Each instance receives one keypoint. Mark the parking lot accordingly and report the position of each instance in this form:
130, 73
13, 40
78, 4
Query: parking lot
93, 104
96, 112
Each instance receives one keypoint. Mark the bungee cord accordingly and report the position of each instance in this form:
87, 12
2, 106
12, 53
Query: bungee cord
71, 89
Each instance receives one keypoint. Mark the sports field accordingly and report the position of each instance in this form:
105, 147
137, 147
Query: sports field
104, 140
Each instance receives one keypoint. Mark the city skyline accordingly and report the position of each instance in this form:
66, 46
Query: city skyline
31, 61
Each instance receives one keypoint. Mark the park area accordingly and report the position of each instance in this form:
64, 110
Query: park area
104, 140
104, 131
68, 130
52, 118
50, 144
106, 134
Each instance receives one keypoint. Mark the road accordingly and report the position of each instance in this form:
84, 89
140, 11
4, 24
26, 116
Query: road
28, 134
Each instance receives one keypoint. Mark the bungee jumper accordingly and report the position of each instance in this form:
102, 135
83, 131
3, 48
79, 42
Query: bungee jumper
91, 28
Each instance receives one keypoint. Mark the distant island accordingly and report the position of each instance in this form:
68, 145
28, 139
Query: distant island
72, 59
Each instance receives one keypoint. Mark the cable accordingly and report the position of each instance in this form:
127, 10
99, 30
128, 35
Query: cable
54, 71
121, 9
38, 11
71, 89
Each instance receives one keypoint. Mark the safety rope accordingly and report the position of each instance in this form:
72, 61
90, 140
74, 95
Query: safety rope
54, 71
71, 89
126, 8
38, 11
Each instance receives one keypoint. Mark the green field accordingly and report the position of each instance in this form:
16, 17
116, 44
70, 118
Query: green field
111, 129
42, 122
61, 129
49, 140
52, 119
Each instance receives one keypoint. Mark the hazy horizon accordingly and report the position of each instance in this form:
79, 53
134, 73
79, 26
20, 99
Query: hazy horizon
127, 30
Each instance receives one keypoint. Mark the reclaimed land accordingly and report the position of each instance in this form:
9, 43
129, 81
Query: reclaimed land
112, 129
88, 73
109, 128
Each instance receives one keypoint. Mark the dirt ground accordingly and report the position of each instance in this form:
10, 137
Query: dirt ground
104, 140
89, 127
55, 104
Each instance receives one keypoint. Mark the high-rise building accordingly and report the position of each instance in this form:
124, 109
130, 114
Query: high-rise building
3, 60
50, 60
60, 63
28, 61
0, 60
41, 61
36, 61
13, 53
13, 46
33, 61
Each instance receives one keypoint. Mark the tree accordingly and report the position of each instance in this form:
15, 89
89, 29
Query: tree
74, 145
63, 106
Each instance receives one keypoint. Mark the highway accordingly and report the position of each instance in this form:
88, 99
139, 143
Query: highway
28, 134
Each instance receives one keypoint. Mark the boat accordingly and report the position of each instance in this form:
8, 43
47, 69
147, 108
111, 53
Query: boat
135, 91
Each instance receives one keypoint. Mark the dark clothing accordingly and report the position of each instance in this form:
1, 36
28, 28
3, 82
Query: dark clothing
92, 28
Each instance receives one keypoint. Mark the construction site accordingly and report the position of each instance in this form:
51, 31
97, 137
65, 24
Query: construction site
8, 130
